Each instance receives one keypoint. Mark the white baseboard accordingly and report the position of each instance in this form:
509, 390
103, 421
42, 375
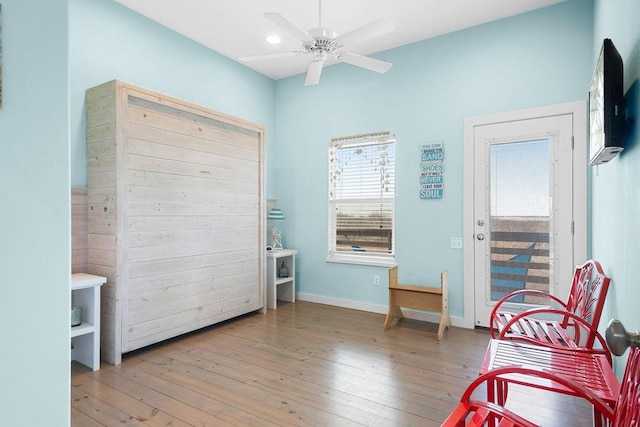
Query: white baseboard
376, 308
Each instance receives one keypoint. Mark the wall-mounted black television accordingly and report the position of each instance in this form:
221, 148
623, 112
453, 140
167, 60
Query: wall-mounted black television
606, 106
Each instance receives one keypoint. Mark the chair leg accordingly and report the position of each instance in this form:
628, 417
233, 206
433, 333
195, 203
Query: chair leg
394, 311
444, 324
445, 319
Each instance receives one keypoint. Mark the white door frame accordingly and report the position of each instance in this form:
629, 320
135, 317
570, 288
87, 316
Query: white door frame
578, 110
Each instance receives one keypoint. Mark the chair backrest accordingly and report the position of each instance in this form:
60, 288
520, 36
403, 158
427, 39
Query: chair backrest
627, 410
587, 295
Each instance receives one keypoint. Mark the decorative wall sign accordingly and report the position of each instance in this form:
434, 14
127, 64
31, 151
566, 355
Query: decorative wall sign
431, 168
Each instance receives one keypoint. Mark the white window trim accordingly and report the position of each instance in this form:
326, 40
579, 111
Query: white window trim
378, 260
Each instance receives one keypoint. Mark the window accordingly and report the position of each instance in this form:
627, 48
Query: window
361, 199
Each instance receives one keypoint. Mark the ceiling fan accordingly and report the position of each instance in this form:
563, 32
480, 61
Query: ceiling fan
322, 43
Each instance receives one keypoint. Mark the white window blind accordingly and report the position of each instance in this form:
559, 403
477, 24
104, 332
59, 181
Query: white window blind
361, 198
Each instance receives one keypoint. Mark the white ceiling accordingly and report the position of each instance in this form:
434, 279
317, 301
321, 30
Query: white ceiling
237, 28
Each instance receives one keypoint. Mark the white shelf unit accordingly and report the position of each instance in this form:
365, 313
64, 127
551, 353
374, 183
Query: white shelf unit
281, 288
85, 338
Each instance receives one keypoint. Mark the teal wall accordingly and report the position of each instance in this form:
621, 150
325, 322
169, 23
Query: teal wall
35, 252
615, 186
539, 58
109, 41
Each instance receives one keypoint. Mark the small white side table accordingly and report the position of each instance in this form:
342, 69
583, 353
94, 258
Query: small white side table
283, 288
85, 338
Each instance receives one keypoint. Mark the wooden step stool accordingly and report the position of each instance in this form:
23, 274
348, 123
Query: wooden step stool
418, 297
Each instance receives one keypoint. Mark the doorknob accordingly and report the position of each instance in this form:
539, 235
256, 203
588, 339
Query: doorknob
480, 236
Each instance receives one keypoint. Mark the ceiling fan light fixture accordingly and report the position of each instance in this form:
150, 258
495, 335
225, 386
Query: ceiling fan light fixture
273, 39
323, 43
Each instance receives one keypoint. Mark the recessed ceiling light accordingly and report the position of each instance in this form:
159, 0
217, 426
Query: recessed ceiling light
273, 39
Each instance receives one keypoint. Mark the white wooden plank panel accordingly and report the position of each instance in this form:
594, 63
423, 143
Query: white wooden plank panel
149, 118
107, 336
185, 303
79, 261
188, 285
177, 223
156, 238
101, 164
105, 89
101, 135
102, 116
193, 142
102, 226
204, 183
101, 257
102, 241
167, 329
189, 195
101, 179
101, 148
162, 151
155, 267
193, 109
108, 299
186, 320
100, 99
143, 163
79, 206
79, 227
79, 213
102, 195
182, 208
191, 289
102, 112
102, 210
191, 249
79, 242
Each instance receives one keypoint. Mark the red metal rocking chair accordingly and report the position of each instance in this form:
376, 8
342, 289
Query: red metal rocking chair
575, 322
625, 412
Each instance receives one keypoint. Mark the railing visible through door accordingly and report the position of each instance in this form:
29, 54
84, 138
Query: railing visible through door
520, 256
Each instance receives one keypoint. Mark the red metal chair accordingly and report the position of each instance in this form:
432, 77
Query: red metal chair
481, 413
573, 323
625, 412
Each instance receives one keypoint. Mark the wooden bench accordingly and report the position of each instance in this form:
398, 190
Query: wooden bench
418, 297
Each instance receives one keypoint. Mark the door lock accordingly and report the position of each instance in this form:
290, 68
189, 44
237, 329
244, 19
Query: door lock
480, 223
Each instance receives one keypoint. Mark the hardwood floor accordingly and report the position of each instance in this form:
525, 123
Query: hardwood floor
302, 364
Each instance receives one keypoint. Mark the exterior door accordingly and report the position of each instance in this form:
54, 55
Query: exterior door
523, 225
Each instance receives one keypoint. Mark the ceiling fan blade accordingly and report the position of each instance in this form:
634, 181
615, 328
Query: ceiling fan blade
368, 31
314, 71
269, 56
288, 26
364, 62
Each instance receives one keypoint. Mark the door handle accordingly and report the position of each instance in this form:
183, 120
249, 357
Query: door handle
480, 236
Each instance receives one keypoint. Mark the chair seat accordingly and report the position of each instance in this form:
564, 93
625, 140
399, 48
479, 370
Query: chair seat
536, 330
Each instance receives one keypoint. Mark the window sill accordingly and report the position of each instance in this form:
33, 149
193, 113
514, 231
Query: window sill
362, 260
